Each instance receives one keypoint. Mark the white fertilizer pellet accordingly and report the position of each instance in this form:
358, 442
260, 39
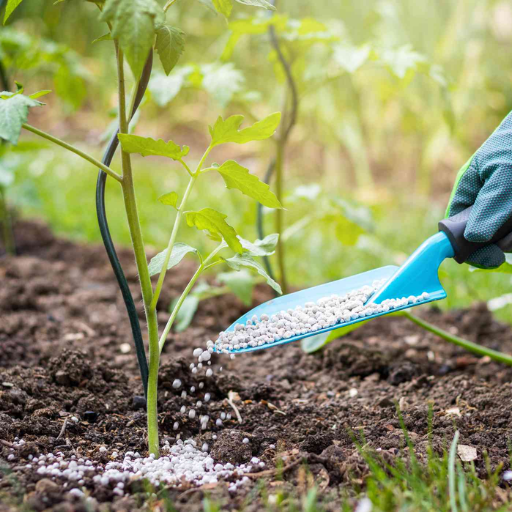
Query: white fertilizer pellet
178, 463
311, 317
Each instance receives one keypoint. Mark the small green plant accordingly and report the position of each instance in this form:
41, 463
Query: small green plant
135, 28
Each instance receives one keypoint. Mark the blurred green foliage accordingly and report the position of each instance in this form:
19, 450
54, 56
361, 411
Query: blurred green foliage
394, 97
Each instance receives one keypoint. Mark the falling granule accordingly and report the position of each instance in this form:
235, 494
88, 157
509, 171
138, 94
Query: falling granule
218, 422
222, 415
200, 365
199, 403
192, 389
194, 370
245, 440
183, 409
191, 414
207, 397
201, 385
192, 366
176, 384
209, 372
197, 352
228, 416
232, 356
183, 394
205, 447
176, 425
204, 422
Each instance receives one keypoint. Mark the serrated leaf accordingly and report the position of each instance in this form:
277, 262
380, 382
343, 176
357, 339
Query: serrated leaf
401, 60
239, 283
179, 251
350, 57
214, 222
133, 24
314, 343
170, 45
228, 130
265, 247
222, 82
238, 177
165, 88
258, 3
238, 261
13, 113
170, 199
146, 146
223, 7
9, 8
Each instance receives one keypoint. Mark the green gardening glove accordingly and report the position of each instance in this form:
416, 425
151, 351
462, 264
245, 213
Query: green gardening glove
485, 182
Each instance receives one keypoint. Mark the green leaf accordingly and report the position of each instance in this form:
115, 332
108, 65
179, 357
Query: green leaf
240, 283
351, 58
9, 9
13, 113
401, 60
146, 146
104, 37
258, 3
223, 7
222, 82
170, 44
38, 94
170, 199
265, 247
133, 24
229, 130
238, 261
506, 268
214, 222
165, 88
186, 313
314, 343
179, 251
238, 177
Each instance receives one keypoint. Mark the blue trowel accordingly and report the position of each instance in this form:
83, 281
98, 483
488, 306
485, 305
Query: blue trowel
419, 274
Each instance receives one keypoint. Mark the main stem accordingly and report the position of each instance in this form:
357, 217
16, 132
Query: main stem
5, 218
142, 268
500, 357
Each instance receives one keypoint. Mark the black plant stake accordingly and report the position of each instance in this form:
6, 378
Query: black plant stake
107, 239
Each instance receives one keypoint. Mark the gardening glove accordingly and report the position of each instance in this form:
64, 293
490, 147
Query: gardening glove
485, 182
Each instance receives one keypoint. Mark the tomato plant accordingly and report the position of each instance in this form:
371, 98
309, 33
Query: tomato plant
138, 28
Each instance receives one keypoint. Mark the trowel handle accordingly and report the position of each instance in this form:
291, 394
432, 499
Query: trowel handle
455, 226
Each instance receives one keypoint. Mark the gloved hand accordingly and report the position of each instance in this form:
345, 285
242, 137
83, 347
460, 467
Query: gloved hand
485, 182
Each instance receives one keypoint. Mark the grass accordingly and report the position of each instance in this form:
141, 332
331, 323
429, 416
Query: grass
60, 188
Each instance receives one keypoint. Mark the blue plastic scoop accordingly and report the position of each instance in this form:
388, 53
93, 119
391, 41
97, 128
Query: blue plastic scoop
417, 275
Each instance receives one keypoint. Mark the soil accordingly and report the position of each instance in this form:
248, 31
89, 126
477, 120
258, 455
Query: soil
63, 353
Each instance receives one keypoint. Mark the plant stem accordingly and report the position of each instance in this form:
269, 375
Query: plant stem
279, 216
142, 268
204, 265
71, 148
170, 245
8, 235
500, 357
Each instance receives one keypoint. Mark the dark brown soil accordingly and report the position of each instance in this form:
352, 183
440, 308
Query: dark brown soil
62, 326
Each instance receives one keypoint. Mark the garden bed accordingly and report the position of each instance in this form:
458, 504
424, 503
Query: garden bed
69, 383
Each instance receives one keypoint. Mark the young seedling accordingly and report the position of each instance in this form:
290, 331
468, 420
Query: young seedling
135, 28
